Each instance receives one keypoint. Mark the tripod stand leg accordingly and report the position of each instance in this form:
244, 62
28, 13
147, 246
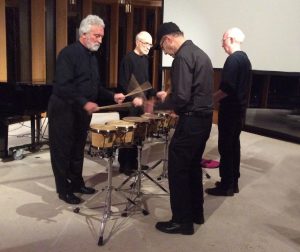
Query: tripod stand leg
151, 179
107, 209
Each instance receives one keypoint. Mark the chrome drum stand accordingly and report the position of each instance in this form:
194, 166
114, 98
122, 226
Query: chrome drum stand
134, 190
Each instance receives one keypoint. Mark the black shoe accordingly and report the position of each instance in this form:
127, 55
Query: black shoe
219, 191
84, 190
128, 172
145, 167
69, 198
198, 220
171, 227
235, 186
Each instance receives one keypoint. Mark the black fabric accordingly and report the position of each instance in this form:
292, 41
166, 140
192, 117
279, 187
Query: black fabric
139, 67
192, 85
77, 76
234, 82
230, 127
192, 81
184, 167
76, 82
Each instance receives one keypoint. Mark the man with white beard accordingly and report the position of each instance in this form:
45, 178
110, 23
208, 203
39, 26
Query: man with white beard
76, 92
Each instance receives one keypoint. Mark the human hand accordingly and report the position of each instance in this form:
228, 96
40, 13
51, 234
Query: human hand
90, 107
137, 102
162, 95
119, 97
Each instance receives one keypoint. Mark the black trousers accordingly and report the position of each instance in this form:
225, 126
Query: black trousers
68, 128
230, 126
184, 167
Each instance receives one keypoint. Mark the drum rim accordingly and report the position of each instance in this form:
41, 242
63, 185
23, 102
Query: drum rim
155, 117
140, 119
104, 130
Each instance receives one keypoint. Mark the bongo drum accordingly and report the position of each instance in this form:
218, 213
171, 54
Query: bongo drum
168, 120
154, 122
141, 124
102, 136
124, 131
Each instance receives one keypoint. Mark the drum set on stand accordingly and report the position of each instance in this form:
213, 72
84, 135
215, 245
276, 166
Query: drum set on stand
106, 139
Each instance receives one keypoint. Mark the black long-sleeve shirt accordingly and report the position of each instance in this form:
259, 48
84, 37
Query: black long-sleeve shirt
135, 64
77, 76
235, 82
191, 80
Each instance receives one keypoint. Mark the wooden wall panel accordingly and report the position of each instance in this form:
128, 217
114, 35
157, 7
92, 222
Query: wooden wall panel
38, 41
87, 8
61, 24
3, 59
113, 55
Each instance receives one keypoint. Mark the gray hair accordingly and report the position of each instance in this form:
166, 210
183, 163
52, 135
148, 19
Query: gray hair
236, 34
88, 22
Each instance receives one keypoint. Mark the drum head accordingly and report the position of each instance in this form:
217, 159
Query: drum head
150, 116
120, 124
135, 119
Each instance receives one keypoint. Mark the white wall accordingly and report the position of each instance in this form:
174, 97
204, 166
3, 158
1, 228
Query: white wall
272, 29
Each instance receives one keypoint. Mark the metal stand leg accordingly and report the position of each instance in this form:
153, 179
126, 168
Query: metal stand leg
164, 174
135, 190
107, 213
107, 206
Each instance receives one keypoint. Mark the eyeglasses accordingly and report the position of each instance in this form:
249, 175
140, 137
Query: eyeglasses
146, 43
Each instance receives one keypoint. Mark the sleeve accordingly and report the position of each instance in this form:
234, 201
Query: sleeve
64, 79
182, 80
105, 94
229, 76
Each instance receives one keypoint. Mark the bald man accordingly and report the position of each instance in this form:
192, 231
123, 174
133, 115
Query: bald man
232, 96
134, 63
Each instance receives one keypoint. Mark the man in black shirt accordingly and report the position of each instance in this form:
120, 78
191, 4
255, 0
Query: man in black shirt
134, 63
232, 96
191, 99
76, 91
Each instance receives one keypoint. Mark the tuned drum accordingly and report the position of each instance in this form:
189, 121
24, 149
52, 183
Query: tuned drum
141, 125
102, 136
154, 122
168, 120
124, 131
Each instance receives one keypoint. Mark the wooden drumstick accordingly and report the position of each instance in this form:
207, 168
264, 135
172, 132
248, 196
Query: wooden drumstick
122, 105
145, 86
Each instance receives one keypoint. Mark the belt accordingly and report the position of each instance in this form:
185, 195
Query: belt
196, 114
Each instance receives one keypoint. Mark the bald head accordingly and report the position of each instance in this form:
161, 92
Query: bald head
232, 40
143, 41
236, 34
144, 36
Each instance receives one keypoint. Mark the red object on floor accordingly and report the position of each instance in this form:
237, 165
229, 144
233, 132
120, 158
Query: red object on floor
211, 164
